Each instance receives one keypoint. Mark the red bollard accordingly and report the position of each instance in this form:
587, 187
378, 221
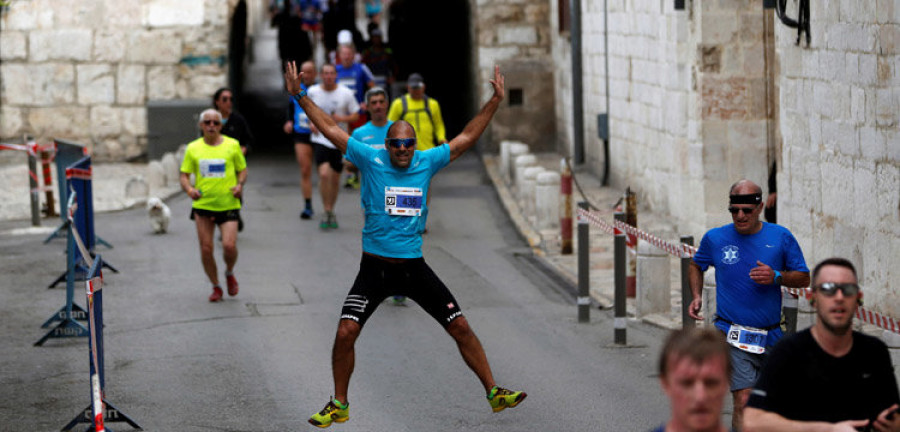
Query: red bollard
46, 157
631, 243
565, 218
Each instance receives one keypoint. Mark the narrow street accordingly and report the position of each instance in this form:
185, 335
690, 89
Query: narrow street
261, 361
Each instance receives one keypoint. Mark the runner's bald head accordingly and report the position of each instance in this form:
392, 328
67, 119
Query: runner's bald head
745, 186
401, 129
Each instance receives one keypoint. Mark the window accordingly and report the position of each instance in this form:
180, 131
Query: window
565, 16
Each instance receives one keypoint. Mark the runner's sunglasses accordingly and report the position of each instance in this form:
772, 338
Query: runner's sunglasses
401, 142
736, 210
829, 289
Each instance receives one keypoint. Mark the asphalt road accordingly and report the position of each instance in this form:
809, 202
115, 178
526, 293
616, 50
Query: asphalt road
261, 361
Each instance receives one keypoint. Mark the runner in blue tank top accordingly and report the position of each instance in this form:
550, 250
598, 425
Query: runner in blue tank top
395, 187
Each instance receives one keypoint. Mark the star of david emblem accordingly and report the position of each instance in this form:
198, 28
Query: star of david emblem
730, 254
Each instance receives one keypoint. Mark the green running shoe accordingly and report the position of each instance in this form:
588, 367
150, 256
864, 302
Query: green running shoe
501, 398
332, 221
334, 411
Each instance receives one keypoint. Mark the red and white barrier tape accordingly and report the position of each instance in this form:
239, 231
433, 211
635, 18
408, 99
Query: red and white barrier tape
17, 147
684, 251
31, 147
592, 217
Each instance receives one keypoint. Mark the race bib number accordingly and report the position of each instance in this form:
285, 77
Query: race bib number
303, 121
212, 168
399, 201
349, 82
752, 340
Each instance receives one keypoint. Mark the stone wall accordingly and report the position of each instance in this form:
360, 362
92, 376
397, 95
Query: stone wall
515, 34
733, 85
839, 190
687, 95
84, 71
654, 121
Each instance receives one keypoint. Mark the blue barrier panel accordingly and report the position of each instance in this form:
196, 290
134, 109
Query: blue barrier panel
100, 411
78, 177
67, 154
79, 215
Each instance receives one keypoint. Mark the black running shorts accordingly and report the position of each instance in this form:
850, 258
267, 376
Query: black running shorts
301, 138
378, 279
328, 155
218, 217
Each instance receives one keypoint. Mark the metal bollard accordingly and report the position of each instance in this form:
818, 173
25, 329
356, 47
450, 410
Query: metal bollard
46, 157
789, 303
631, 241
33, 190
584, 267
619, 247
565, 214
686, 296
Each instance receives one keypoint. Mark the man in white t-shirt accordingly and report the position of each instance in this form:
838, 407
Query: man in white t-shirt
340, 102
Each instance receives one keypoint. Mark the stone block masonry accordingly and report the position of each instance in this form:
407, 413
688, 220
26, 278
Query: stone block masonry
85, 71
839, 189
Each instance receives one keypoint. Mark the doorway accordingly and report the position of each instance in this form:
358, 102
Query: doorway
433, 38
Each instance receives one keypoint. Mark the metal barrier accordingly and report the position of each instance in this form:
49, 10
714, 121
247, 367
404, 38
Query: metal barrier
79, 216
68, 154
685, 250
33, 151
79, 219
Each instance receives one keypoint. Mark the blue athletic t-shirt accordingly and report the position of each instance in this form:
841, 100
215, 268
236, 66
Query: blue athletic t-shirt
738, 298
384, 186
356, 77
372, 135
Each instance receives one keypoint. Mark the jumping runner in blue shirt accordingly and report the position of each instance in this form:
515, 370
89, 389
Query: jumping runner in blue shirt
395, 187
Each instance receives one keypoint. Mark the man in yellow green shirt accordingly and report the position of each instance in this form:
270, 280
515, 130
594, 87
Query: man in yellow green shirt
422, 112
220, 171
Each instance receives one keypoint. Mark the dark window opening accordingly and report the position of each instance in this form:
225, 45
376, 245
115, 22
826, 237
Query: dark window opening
515, 97
564, 15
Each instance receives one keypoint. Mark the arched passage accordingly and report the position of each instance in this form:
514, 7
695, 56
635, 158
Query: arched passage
433, 38
237, 42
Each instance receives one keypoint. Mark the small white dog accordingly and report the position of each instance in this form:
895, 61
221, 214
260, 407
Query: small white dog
159, 215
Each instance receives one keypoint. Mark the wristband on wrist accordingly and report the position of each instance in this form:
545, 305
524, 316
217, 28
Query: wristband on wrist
778, 277
300, 95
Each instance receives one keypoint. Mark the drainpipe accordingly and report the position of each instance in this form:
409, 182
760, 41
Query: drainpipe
577, 88
605, 119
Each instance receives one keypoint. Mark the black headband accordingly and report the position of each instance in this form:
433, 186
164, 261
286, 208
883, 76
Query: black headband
755, 198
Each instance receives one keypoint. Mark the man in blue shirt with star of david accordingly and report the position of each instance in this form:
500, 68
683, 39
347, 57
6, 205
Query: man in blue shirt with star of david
753, 260
394, 195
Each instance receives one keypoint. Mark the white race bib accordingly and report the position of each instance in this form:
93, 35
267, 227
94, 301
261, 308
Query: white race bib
400, 201
214, 168
752, 340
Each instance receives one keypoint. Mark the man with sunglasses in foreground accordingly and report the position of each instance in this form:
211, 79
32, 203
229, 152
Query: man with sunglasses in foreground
753, 260
827, 377
394, 191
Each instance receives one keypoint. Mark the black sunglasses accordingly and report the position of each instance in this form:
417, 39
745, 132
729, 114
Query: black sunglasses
401, 142
736, 210
212, 122
829, 289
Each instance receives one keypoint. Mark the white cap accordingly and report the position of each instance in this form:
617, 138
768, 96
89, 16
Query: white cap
345, 37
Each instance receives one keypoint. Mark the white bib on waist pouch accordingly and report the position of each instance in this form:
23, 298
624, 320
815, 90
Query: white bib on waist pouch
749, 339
